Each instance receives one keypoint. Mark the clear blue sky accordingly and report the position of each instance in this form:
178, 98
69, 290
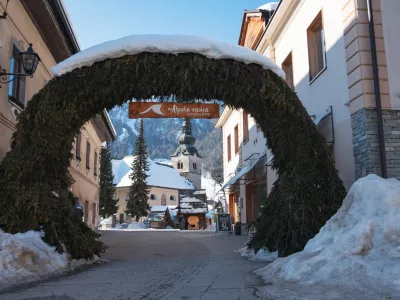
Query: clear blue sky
97, 21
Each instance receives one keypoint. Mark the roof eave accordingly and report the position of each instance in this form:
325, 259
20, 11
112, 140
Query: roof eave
224, 117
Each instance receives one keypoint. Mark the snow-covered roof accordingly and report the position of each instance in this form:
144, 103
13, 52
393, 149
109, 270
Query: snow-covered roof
190, 200
159, 208
159, 175
172, 44
201, 192
269, 6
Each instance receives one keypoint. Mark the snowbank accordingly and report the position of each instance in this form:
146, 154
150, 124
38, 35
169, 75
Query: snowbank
359, 247
26, 257
173, 44
261, 255
137, 225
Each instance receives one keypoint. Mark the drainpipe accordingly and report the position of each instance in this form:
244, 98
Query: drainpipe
377, 89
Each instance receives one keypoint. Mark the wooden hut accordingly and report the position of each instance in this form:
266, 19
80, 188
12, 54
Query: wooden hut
159, 217
192, 208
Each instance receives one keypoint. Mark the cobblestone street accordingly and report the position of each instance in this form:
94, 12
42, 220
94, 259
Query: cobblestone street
156, 265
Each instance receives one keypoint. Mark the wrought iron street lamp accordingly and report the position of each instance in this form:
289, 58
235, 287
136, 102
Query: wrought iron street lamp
30, 61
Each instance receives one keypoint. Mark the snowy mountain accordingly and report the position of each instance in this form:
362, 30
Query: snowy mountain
161, 134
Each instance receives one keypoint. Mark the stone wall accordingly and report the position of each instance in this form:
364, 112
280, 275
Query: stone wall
366, 142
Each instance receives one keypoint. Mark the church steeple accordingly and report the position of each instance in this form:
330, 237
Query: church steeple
186, 158
186, 138
186, 141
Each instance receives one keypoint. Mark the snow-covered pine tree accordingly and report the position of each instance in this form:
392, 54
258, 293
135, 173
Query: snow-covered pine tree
137, 196
108, 205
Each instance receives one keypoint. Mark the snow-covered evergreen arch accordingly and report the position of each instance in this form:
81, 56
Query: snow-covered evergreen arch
308, 189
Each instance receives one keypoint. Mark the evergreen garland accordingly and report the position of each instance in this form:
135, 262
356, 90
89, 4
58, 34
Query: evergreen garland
137, 204
108, 205
308, 190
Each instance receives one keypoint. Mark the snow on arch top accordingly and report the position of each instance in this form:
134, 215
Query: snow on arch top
172, 44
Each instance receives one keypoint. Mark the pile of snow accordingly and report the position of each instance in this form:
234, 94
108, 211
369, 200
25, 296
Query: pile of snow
261, 255
160, 175
137, 225
107, 221
358, 247
211, 227
172, 44
26, 257
269, 6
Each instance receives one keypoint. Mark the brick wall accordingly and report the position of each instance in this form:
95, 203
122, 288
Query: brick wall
366, 142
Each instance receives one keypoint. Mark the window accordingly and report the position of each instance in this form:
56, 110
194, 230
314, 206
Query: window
172, 198
316, 46
194, 166
78, 146
16, 88
153, 197
245, 127
163, 199
236, 139
180, 165
94, 213
228, 143
87, 155
287, 67
95, 164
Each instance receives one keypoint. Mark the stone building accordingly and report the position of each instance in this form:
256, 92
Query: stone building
45, 24
186, 158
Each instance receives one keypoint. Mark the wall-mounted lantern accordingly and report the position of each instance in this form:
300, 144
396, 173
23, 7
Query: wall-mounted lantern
30, 61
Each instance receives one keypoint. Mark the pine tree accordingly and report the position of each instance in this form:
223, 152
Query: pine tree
137, 196
108, 205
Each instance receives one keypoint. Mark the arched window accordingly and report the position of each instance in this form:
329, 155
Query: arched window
179, 165
163, 199
153, 197
172, 198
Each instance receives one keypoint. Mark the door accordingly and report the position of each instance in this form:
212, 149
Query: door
261, 198
232, 207
163, 199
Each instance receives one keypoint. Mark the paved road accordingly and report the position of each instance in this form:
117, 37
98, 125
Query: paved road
156, 265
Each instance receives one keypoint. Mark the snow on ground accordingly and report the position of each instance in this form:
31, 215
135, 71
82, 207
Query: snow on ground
357, 249
25, 257
262, 255
137, 225
269, 6
173, 44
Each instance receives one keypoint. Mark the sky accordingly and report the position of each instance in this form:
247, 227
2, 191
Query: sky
97, 21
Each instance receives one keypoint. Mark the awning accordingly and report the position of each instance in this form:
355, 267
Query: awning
324, 123
319, 118
243, 171
268, 163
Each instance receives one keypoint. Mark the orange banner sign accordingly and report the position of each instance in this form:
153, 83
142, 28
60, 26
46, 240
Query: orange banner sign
138, 110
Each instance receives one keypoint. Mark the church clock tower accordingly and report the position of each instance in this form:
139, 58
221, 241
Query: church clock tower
186, 158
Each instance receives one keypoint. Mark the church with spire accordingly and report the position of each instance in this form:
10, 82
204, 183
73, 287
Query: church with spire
186, 158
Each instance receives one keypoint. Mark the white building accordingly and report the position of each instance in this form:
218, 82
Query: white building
324, 47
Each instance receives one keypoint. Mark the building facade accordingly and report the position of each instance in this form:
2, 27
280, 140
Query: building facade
45, 24
324, 47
